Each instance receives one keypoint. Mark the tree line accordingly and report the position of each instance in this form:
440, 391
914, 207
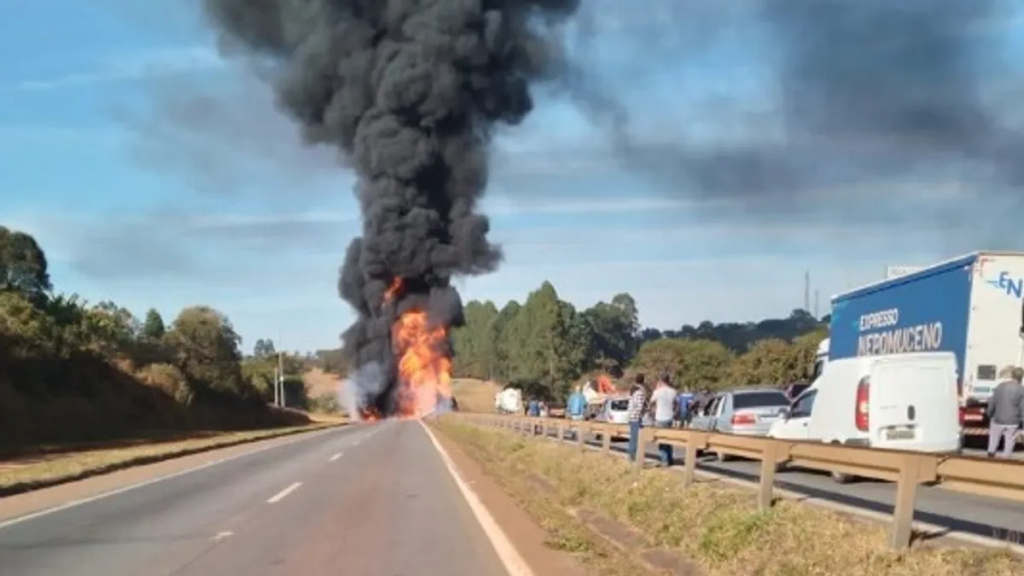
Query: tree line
71, 370
546, 345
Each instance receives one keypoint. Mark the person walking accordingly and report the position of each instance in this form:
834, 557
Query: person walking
635, 414
576, 408
1006, 413
663, 400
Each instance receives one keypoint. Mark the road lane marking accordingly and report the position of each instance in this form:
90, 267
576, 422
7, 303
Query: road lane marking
79, 502
335, 457
503, 547
281, 495
223, 535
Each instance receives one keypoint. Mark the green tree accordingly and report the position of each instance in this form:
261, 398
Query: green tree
23, 266
770, 361
264, 348
205, 346
693, 364
475, 342
615, 327
542, 356
153, 327
505, 327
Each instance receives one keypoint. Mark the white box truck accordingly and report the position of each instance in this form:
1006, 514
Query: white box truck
970, 306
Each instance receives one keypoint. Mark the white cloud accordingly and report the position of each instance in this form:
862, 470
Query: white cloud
130, 66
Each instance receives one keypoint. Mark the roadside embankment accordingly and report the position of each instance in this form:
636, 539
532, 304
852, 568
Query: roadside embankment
55, 467
611, 516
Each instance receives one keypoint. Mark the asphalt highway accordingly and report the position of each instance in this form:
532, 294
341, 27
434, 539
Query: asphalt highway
373, 500
955, 512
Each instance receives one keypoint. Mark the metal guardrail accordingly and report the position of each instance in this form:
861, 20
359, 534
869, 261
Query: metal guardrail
978, 476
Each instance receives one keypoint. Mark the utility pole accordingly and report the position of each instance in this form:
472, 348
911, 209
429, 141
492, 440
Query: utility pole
807, 291
817, 300
277, 399
280, 371
280, 377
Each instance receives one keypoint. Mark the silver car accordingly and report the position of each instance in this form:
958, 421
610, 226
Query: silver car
747, 411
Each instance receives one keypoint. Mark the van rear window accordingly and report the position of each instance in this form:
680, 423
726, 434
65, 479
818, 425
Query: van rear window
619, 405
759, 400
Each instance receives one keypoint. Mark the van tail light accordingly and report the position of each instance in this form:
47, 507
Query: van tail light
863, 399
743, 419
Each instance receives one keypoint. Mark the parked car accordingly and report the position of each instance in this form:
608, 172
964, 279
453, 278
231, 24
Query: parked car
796, 389
895, 402
747, 411
615, 410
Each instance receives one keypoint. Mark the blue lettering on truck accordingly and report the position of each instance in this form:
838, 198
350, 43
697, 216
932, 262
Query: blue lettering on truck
923, 312
1007, 284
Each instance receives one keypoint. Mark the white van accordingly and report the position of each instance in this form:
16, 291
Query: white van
896, 402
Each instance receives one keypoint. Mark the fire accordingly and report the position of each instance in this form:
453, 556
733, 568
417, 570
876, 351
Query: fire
369, 414
396, 286
425, 374
604, 385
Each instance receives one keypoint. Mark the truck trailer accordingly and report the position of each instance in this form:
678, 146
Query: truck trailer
970, 306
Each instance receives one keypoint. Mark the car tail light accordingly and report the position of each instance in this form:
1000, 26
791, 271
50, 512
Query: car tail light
863, 398
743, 419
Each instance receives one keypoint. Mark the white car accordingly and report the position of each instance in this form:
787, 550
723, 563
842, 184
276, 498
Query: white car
615, 410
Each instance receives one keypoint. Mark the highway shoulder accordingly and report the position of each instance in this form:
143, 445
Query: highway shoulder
529, 539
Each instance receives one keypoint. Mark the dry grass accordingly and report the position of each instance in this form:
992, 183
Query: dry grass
475, 395
319, 382
28, 474
715, 528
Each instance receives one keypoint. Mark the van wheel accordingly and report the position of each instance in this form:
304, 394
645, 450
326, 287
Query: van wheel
840, 478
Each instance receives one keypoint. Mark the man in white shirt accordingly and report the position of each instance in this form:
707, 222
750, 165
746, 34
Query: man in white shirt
663, 402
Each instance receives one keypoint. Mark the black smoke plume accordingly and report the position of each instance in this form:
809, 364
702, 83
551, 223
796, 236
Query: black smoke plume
899, 94
409, 91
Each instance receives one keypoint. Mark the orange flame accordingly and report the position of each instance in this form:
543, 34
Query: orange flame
604, 385
396, 286
425, 375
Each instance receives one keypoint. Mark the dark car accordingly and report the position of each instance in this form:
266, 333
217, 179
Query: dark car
795, 389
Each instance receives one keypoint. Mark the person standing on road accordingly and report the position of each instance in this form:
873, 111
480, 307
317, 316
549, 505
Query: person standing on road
684, 399
699, 401
1006, 413
663, 400
635, 414
576, 408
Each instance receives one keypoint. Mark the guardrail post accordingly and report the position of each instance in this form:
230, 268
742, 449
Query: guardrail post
694, 444
643, 439
582, 428
606, 438
906, 496
766, 488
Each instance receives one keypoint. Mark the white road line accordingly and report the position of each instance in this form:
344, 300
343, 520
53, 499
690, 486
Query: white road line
281, 495
507, 553
130, 487
335, 457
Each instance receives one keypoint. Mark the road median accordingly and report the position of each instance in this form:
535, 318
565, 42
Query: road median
612, 514
29, 474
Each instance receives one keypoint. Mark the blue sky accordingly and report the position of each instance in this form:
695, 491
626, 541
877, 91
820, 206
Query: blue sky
155, 174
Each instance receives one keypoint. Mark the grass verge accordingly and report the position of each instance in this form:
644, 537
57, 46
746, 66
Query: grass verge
27, 475
707, 530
